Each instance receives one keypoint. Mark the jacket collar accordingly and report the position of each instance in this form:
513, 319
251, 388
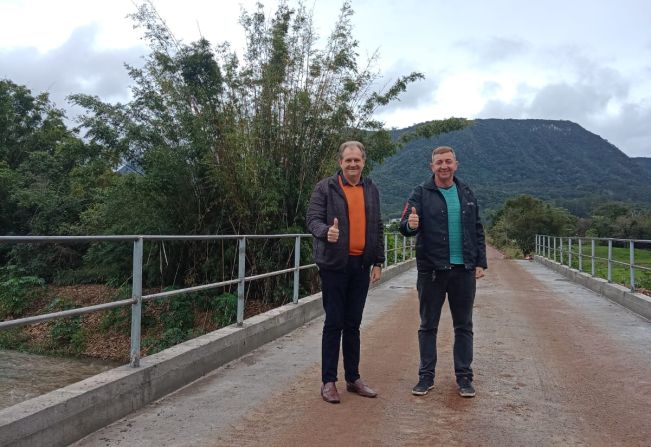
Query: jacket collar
429, 184
335, 178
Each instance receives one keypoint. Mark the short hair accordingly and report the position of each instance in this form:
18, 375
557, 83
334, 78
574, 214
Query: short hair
351, 143
443, 150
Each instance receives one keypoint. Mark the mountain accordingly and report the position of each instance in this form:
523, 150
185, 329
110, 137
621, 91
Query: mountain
557, 161
645, 162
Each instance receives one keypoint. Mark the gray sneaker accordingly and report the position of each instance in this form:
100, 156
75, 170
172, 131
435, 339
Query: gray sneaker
465, 387
423, 386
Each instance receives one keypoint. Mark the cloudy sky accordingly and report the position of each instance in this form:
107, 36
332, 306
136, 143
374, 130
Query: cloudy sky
587, 61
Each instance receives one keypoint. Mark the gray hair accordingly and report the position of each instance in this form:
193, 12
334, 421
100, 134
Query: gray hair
351, 143
443, 150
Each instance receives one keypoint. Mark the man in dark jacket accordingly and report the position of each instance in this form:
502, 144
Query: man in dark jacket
344, 217
450, 256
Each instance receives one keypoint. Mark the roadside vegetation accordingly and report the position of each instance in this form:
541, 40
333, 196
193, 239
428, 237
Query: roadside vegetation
514, 226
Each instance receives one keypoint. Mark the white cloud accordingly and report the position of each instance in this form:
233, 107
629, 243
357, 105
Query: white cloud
74, 67
494, 50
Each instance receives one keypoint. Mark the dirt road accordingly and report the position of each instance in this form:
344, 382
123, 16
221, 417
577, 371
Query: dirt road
554, 364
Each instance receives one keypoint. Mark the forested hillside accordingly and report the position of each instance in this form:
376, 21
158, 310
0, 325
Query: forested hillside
554, 160
645, 162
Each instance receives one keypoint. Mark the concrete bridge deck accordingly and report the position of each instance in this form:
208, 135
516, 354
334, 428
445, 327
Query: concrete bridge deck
555, 364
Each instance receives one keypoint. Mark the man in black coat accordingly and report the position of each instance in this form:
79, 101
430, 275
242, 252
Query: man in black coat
344, 218
450, 256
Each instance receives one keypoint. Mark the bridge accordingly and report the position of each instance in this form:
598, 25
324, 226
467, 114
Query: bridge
555, 364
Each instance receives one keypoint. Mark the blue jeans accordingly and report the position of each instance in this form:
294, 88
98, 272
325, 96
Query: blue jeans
344, 295
459, 284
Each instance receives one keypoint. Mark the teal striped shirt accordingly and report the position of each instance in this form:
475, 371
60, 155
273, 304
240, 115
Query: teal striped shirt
455, 235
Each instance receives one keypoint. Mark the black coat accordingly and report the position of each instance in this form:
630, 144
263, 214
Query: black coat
329, 201
432, 241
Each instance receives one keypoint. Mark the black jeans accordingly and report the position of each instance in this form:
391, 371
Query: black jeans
344, 295
459, 284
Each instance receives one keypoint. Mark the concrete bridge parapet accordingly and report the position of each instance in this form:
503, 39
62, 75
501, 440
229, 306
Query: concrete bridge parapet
636, 302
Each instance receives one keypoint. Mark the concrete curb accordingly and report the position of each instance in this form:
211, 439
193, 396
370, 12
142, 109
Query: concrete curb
636, 302
68, 414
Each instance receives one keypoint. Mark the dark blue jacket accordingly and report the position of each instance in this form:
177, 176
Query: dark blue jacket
432, 241
329, 201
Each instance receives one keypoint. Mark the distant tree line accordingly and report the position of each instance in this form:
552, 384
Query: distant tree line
517, 222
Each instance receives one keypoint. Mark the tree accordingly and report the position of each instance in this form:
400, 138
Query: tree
620, 220
48, 177
235, 145
522, 217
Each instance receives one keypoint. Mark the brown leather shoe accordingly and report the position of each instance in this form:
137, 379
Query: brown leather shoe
329, 393
359, 387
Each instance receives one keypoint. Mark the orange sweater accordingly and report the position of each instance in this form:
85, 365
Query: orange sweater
356, 217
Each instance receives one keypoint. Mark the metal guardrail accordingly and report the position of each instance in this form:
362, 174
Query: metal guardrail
137, 298
559, 249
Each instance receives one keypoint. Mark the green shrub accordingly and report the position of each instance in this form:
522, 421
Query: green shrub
13, 338
225, 309
86, 275
16, 292
170, 337
179, 313
119, 318
67, 332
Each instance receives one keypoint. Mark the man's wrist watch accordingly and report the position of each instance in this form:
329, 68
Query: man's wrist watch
379, 264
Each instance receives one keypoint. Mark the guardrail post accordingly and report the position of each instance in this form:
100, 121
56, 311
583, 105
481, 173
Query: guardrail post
580, 255
395, 248
569, 252
386, 250
610, 260
241, 274
404, 248
554, 248
136, 308
561, 248
631, 258
592, 243
297, 264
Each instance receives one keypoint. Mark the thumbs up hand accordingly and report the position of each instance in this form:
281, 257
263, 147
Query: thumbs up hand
412, 220
333, 231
